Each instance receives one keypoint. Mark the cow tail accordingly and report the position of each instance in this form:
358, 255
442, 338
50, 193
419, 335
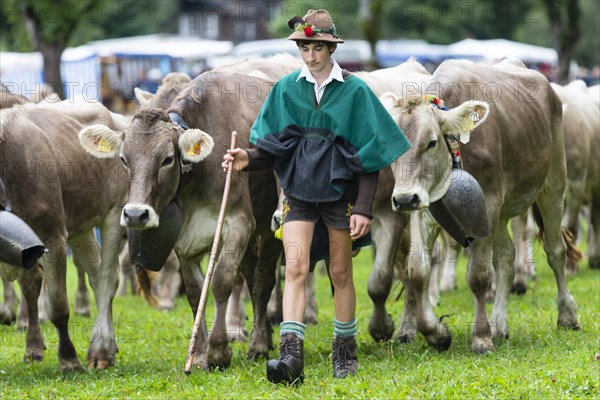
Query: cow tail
145, 279
537, 216
573, 253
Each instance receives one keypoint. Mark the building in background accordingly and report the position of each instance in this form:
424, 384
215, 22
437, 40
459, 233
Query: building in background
230, 20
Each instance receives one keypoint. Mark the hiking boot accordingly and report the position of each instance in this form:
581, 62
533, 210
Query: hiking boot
344, 357
290, 366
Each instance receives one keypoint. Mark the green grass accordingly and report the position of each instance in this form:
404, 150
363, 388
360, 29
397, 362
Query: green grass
539, 361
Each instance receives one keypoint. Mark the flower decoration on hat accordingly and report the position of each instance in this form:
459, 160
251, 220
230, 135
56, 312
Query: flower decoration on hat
435, 102
300, 25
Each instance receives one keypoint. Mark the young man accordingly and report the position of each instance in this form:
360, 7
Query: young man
326, 135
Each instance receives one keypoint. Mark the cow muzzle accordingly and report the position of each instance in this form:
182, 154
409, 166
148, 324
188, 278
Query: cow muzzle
413, 201
139, 216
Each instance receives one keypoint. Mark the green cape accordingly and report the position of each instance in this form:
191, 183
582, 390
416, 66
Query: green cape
319, 147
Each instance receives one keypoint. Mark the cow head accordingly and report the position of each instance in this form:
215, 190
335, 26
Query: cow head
153, 149
422, 174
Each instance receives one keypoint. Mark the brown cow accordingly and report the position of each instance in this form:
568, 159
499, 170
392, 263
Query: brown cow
62, 193
518, 158
581, 124
152, 148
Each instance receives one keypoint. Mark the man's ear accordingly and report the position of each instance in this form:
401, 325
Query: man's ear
332, 48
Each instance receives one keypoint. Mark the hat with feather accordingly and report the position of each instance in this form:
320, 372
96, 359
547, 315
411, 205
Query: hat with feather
316, 25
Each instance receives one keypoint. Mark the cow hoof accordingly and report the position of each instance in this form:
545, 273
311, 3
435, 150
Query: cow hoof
72, 365
483, 346
311, 320
218, 365
99, 364
33, 356
440, 339
519, 288
381, 330
572, 325
240, 335
405, 338
594, 263
7, 316
256, 355
219, 359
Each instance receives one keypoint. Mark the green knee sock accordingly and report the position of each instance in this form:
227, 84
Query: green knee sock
344, 328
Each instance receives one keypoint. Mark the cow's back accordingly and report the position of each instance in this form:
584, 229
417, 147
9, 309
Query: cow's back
510, 154
407, 79
46, 171
581, 123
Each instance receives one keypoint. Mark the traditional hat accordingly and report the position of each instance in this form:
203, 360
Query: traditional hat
317, 25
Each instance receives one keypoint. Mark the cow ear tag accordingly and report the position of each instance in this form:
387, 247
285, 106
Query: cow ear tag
194, 150
469, 124
104, 146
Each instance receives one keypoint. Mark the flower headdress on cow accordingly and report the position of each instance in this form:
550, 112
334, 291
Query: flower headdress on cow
317, 25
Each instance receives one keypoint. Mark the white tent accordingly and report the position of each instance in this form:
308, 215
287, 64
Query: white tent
499, 48
158, 45
23, 72
393, 52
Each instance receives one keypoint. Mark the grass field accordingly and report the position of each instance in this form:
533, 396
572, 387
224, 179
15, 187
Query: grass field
539, 361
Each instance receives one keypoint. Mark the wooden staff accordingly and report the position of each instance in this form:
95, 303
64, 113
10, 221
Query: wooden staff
211, 263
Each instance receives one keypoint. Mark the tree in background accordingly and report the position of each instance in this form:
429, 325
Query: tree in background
372, 15
50, 25
564, 31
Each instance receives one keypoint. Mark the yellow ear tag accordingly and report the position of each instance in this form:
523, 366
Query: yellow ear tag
104, 146
195, 151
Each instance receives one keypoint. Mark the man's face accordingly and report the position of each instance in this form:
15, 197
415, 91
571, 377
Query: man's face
316, 56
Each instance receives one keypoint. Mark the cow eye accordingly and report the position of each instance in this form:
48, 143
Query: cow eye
431, 144
167, 161
124, 162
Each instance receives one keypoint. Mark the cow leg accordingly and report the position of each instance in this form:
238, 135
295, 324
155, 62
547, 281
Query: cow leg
387, 234
450, 256
519, 229
479, 278
504, 265
261, 337
193, 281
423, 232
167, 285
126, 274
236, 314
31, 284
55, 273
550, 204
310, 314
8, 309
102, 268
82, 296
274, 309
594, 229
407, 328
575, 194
434, 287
42, 301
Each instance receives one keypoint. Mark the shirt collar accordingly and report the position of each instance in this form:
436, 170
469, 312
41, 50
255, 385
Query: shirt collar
336, 73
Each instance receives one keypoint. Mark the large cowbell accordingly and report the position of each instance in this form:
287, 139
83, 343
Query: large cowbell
19, 244
149, 248
462, 211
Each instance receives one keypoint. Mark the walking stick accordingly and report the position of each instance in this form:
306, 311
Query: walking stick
211, 263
